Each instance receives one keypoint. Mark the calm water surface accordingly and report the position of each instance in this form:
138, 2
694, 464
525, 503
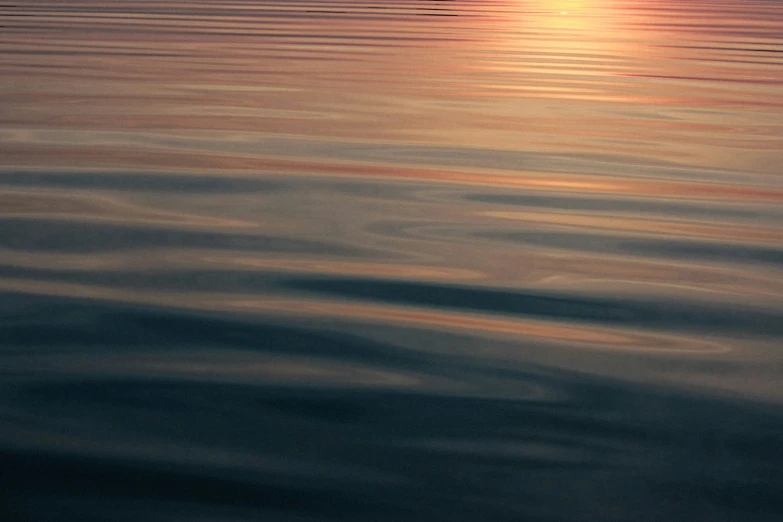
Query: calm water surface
510, 260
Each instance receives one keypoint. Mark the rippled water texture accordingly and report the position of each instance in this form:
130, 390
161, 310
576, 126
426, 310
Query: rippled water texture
510, 260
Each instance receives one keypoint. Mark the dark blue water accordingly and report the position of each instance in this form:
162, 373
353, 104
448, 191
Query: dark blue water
513, 260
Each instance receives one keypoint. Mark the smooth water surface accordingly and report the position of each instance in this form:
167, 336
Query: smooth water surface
504, 260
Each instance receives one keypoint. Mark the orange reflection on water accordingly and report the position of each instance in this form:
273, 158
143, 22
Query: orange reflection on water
595, 338
563, 76
174, 160
666, 227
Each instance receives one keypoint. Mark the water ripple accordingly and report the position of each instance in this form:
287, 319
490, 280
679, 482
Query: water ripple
413, 260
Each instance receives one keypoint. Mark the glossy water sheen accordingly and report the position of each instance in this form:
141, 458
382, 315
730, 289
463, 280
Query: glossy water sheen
511, 260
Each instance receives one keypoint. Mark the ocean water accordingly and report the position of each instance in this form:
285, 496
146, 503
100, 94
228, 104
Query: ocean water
289, 260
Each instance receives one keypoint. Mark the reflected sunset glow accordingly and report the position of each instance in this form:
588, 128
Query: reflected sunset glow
391, 260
